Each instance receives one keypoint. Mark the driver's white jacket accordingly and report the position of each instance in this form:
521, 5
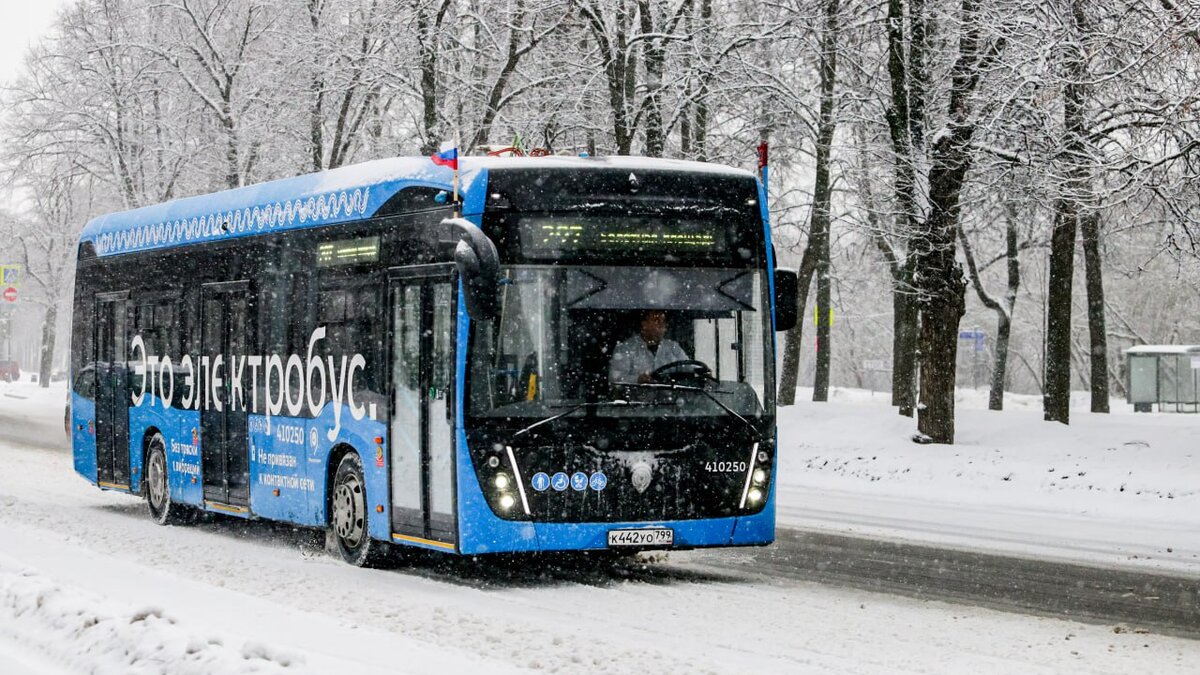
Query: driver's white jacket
632, 357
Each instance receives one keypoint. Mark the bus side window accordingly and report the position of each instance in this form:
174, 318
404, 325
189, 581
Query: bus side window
348, 316
85, 382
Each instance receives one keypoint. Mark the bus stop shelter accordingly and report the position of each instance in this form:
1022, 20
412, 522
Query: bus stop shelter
1166, 375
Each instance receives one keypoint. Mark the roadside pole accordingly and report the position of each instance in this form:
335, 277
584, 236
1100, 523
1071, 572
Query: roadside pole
10, 282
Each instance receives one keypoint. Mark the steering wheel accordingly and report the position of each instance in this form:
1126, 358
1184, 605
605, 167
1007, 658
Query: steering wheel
686, 370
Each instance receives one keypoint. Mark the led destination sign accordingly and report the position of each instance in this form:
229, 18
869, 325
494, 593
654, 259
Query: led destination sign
557, 234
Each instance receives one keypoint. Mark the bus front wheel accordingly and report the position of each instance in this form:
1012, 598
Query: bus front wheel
158, 489
348, 516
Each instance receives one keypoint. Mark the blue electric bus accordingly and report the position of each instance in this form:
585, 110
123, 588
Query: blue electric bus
355, 350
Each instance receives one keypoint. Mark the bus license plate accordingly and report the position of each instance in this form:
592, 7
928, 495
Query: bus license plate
658, 536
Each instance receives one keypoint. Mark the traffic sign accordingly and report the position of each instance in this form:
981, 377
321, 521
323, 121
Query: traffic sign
10, 294
10, 276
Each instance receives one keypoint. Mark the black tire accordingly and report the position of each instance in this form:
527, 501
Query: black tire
348, 517
158, 488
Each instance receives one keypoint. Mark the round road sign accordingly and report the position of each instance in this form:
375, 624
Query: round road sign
10, 294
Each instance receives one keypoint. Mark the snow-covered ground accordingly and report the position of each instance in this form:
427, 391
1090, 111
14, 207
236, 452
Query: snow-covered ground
1121, 488
89, 584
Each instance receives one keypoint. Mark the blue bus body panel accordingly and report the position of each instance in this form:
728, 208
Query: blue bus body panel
83, 436
292, 455
181, 435
279, 462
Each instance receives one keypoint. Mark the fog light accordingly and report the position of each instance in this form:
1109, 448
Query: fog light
760, 476
755, 495
506, 502
500, 481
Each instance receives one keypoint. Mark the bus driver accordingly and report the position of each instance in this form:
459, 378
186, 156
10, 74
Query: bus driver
636, 357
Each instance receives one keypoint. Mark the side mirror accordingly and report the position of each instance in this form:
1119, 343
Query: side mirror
786, 287
478, 266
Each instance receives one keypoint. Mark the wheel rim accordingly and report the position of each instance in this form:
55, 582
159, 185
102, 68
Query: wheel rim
348, 511
156, 479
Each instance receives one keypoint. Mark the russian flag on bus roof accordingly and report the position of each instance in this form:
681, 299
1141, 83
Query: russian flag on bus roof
446, 158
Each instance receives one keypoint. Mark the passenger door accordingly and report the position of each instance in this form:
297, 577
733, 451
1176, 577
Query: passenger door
421, 318
112, 391
225, 333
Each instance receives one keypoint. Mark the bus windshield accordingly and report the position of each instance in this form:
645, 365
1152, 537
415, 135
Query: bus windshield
642, 341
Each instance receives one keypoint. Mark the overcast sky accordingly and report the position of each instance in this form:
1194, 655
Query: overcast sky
21, 22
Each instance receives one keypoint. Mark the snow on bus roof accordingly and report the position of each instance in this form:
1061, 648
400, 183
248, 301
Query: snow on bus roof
622, 162
1164, 349
323, 198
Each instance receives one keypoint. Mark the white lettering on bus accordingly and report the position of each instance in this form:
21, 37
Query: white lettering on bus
289, 380
137, 345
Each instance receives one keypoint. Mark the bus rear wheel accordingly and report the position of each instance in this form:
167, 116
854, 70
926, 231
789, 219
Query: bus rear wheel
348, 516
158, 488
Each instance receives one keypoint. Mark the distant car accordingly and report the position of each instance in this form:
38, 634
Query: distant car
10, 371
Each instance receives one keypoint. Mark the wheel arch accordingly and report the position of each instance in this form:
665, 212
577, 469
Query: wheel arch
147, 436
336, 454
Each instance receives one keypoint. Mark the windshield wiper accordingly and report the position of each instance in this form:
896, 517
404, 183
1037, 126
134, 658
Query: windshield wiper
619, 403
685, 387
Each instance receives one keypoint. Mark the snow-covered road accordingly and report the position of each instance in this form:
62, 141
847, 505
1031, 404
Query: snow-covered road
88, 584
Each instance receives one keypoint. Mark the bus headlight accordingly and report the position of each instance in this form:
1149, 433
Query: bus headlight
507, 501
500, 481
760, 476
755, 495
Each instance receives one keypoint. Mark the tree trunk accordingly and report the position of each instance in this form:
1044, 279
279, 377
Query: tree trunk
1004, 318
1000, 364
1004, 308
428, 34
654, 58
938, 275
905, 329
942, 288
1068, 210
822, 196
939, 351
906, 133
316, 113
1057, 400
1090, 226
49, 332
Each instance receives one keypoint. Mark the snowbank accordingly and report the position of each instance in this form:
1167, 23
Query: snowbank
33, 414
76, 629
1124, 478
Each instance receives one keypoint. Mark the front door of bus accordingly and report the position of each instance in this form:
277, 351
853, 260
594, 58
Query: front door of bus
112, 392
422, 448
224, 337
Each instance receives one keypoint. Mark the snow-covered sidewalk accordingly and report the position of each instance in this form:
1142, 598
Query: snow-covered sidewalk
1121, 488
